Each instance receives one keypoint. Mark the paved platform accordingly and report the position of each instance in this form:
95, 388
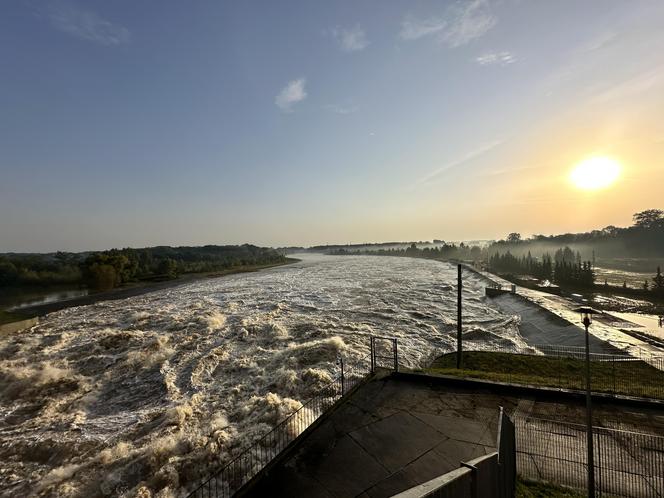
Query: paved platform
395, 433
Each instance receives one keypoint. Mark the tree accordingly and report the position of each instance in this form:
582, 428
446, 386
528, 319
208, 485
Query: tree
514, 238
167, 267
658, 281
650, 218
103, 276
8, 272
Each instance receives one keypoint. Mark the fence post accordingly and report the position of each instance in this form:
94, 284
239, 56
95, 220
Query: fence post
459, 324
599, 463
373, 354
473, 478
560, 371
343, 386
396, 357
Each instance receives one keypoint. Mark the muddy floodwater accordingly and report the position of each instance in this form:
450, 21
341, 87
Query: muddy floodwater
143, 396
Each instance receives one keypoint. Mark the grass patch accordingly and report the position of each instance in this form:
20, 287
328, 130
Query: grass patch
531, 489
10, 317
633, 378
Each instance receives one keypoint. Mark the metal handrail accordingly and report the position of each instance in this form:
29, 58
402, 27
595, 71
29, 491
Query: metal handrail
207, 484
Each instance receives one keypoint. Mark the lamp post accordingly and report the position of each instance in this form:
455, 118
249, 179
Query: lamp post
587, 319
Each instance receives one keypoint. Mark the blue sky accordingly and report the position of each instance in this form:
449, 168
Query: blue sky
131, 123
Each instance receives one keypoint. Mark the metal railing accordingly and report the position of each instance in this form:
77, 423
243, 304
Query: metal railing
251, 460
627, 463
384, 353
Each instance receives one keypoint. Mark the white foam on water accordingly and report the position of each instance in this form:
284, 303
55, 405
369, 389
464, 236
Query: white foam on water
145, 396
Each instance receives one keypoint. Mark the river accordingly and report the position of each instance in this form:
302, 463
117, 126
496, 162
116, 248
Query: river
146, 394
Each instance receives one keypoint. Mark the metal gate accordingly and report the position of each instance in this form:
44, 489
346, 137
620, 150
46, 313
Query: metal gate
384, 353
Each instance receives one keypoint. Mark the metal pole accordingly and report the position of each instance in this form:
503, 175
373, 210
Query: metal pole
459, 325
343, 386
589, 418
373, 355
395, 348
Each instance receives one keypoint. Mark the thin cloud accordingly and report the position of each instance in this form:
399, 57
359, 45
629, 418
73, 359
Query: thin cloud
291, 94
338, 109
473, 154
461, 23
414, 29
87, 25
351, 39
496, 58
640, 83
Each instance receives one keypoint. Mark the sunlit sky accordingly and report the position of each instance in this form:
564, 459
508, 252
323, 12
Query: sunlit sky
132, 123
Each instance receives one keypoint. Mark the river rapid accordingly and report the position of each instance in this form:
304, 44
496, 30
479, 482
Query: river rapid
143, 396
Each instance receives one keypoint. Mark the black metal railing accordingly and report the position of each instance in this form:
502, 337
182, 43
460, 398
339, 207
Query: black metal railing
626, 463
384, 353
251, 460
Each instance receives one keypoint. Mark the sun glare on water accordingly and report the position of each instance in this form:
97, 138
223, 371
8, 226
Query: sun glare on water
595, 173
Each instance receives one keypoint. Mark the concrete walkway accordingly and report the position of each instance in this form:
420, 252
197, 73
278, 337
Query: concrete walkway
395, 433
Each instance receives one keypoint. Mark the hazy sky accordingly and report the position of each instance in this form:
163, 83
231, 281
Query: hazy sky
131, 123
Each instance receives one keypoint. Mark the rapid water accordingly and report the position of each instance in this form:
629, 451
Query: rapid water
143, 396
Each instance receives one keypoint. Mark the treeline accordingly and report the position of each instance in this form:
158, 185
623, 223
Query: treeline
564, 268
115, 267
443, 251
644, 239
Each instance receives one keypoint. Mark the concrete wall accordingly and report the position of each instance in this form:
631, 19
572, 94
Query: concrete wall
463, 482
489, 476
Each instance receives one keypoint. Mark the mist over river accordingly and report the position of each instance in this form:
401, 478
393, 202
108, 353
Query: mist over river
143, 396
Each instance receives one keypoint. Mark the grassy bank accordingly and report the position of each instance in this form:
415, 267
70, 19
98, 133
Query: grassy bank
531, 489
633, 378
129, 290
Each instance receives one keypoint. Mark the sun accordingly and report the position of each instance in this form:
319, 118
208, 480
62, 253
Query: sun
595, 173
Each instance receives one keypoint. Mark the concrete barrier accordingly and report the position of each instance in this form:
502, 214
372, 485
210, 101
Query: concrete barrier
475, 479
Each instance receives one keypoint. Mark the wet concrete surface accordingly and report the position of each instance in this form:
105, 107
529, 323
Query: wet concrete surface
541, 327
394, 433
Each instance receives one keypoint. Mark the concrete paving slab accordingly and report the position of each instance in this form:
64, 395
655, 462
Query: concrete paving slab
385, 439
350, 460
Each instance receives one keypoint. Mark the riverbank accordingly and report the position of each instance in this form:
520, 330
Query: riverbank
134, 289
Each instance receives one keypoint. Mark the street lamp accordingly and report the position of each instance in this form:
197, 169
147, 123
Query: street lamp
587, 319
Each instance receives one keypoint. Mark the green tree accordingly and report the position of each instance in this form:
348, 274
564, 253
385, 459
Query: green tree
650, 218
167, 267
658, 281
103, 276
